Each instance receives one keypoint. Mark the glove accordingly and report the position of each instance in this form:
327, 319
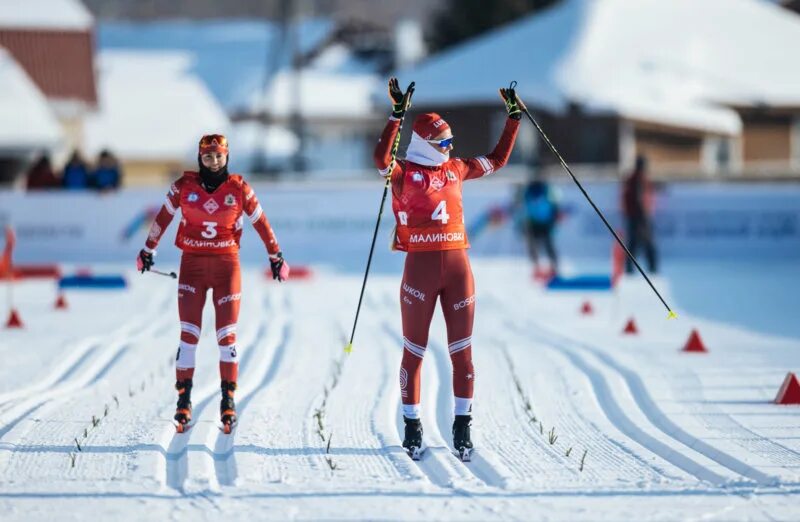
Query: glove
514, 105
144, 261
280, 268
400, 101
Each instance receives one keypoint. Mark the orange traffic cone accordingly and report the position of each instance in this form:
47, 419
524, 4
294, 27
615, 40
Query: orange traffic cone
586, 308
13, 319
790, 390
695, 344
61, 302
630, 328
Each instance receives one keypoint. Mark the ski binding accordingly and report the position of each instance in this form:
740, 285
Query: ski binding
465, 454
226, 427
415, 452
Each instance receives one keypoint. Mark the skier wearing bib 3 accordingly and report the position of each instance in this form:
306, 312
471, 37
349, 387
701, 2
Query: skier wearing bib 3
427, 204
211, 202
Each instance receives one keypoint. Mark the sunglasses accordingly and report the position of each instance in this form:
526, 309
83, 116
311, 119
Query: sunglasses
214, 140
442, 143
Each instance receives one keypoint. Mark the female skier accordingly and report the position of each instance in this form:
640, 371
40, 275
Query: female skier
211, 202
426, 200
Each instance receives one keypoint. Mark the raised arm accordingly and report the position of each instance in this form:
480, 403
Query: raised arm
484, 165
495, 160
386, 150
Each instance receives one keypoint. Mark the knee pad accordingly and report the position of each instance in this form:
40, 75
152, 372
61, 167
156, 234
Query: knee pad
186, 355
228, 353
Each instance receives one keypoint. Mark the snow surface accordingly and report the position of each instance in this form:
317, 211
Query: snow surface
667, 436
26, 116
671, 62
151, 107
45, 14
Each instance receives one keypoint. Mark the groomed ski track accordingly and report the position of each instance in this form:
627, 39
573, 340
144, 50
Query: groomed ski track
572, 419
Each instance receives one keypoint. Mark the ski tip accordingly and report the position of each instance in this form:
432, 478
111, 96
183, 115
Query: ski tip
672, 315
348, 348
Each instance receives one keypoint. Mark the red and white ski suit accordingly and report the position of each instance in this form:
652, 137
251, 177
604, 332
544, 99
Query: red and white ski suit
209, 233
428, 211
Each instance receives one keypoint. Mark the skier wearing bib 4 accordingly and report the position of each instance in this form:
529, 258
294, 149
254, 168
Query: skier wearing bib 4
212, 203
427, 204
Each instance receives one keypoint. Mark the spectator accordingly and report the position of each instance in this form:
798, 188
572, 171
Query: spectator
540, 212
41, 175
637, 203
76, 173
106, 175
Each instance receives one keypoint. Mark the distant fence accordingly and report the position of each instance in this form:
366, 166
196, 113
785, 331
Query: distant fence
332, 223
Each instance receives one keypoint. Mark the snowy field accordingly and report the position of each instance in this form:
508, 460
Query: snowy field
639, 430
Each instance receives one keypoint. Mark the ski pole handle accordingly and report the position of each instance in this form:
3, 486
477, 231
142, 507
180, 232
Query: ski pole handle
173, 275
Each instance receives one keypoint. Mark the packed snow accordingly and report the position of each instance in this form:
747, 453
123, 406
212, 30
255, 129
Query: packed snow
573, 420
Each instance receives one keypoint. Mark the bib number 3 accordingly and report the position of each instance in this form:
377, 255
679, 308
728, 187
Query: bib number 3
211, 230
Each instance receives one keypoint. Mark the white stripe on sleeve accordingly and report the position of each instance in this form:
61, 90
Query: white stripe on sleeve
256, 213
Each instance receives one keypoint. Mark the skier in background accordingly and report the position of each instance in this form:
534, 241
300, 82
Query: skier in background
211, 202
540, 212
637, 206
427, 204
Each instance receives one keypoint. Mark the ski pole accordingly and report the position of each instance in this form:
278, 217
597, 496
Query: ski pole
672, 314
395, 145
173, 275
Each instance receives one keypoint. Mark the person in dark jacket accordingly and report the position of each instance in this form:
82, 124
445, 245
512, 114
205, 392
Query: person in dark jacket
540, 213
41, 175
637, 205
106, 175
76, 173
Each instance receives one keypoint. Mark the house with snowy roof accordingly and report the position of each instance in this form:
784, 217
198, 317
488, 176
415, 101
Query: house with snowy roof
698, 87
151, 113
298, 94
52, 40
28, 125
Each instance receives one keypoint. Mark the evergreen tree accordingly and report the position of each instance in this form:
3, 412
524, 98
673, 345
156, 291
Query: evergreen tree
464, 19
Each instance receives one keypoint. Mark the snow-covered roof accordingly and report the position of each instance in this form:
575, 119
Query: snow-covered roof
45, 14
670, 61
320, 94
151, 107
27, 121
232, 56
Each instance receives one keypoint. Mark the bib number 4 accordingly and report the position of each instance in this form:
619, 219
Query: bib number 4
440, 212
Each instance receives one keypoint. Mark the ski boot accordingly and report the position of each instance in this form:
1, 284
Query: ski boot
462, 441
227, 408
413, 438
183, 412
